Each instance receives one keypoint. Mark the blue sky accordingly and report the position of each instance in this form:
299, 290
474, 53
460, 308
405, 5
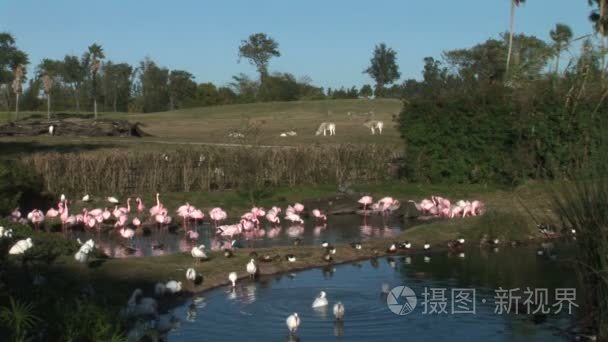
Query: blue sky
331, 41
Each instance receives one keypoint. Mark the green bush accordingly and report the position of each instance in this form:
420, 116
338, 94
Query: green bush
17, 184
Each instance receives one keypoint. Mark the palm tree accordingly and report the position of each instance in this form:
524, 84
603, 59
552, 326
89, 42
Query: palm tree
514, 5
96, 53
599, 17
561, 36
18, 62
47, 73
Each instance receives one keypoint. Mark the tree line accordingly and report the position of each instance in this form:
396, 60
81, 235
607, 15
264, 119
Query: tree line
91, 81
505, 110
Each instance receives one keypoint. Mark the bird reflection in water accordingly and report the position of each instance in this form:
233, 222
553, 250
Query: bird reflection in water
319, 229
328, 271
339, 328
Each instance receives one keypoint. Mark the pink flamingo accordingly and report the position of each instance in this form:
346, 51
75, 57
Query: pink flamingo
140, 205
96, 212
294, 218
229, 230
184, 212
158, 207
127, 233
36, 217
247, 225
217, 214
298, 207
192, 235
121, 222
16, 214
64, 215
126, 210
106, 214
272, 217
318, 215
52, 213
365, 200
197, 215
136, 222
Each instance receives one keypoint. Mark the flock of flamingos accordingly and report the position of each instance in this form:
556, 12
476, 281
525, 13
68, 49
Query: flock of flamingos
126, 220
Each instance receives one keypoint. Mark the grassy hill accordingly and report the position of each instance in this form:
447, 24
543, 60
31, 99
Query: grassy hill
261, 123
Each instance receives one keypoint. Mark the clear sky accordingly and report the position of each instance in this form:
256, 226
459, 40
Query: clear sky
331, 41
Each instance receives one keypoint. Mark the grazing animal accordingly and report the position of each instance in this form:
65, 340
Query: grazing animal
339, 311
232, 277
326, 126
373, 125
320, 301
293, 322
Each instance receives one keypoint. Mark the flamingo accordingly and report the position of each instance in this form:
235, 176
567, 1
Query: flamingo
106, 214
192, 235
217, 214
366, 200
136, 222
197, 215
127, 233
157, 208
298, 207
64, 215
184, 211
140, 205
36, 217
51, 213
294, 218
121, 222
272, 217
317, 214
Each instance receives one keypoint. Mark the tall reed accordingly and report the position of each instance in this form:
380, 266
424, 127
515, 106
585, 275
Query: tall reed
208, 168
582, 204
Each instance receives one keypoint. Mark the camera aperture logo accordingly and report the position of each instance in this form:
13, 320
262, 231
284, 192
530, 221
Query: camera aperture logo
401, 300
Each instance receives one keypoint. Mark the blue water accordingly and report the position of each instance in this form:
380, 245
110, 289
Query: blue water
257, 311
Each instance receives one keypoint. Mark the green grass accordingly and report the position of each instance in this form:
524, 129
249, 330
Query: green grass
212, 124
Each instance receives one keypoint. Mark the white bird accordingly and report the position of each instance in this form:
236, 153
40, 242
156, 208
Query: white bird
174, 286
252, 268
86, 198
427, 246
232, 277
198, 252
339, 311
52, 130
461, 241
6, 232
191, 274
21, 246
112, 200
81, 257
320, 301
293, 322
62, 197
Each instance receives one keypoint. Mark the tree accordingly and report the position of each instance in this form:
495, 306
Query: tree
12, 66
181, 88
153, 86
48, 70
366, 90
259, 48
18, 63
599, 18
117, 78
561, 36
96, 54
514, 5
74, 72
245, 88
383, 69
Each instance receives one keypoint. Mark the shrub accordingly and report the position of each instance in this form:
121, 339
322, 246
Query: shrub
17, 183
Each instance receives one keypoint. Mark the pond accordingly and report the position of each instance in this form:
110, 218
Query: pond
338, 229
257, 311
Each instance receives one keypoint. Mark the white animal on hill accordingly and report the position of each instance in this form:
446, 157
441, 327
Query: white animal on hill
326, 126
373, 125
289, 134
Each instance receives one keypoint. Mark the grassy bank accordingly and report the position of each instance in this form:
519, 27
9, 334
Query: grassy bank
261, 123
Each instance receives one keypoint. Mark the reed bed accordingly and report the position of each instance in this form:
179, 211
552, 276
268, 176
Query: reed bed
583, 206
206, 168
